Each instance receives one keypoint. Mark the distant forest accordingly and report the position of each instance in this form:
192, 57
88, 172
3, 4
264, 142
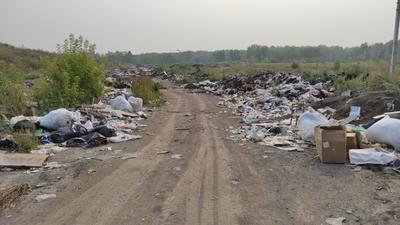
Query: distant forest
258, 53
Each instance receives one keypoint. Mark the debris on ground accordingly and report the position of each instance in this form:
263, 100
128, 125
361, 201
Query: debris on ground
9, 196
335, 221
283, 110
43, 197
22, 159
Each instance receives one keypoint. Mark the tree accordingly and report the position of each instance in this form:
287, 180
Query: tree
75, 77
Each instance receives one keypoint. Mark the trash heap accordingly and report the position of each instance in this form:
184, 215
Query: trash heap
115, 118
123, 77
275, 110
268, 105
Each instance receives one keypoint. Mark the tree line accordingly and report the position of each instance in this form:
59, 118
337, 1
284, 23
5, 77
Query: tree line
259, 53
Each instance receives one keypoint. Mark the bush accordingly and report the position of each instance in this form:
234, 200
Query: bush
13, 99
144, 87
73, 78
295, 66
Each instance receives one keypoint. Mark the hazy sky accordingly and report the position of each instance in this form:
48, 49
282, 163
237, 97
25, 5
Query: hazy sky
171, 25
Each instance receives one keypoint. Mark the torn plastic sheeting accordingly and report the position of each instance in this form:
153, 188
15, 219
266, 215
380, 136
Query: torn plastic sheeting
370, 156
122, 137
385, 131
308, 121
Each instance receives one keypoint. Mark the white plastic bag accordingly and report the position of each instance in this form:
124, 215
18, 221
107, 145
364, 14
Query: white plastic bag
120, 103
255, 136
370, 156
59, 118
136, 103
386, 131
308, 121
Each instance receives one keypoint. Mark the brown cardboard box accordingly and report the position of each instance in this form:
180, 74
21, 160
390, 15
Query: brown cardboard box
351, 141
331, 144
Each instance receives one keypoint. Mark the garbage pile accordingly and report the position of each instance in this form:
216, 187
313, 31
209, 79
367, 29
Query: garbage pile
269, 105
275, 110
114, 119
123, 77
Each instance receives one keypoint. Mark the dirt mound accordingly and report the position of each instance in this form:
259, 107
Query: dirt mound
371, 103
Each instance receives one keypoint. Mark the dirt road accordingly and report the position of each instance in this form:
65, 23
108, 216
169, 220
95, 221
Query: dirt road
207, 179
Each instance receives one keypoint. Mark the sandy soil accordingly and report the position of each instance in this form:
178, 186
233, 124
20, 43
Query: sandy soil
204, 179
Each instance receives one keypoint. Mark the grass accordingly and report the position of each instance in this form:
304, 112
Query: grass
144, 87
25, 141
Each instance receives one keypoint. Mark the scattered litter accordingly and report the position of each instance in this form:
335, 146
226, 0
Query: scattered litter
9, 196
122, 137
53, 165
335, 221
162, 152
44, 197
182, 129
176, 156
90, 171
40, 185
128, 156
235, 181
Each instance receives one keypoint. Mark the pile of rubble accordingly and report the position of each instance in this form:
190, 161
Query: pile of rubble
275, 110
115, 118
124, 77
269, 105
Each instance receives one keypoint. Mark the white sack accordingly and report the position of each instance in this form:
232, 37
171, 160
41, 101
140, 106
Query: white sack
386, 131
370, 156
136, 103
120, 103
59, 118
17, 119
308, 121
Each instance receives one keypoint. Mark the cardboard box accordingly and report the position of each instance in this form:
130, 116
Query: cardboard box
331, 144
351, 141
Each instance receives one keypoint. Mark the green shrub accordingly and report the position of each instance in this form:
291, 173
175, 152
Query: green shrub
13, 99
75, 77
144, 87
295, 66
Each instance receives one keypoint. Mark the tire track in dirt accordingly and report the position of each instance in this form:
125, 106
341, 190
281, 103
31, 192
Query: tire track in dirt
101, 202
204, 193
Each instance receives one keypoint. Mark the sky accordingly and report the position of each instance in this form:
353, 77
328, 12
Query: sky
178, 25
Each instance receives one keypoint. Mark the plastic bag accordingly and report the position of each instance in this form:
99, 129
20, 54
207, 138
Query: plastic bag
59, 118
385, 131
256, 136
308, 121
120, 103
68, 132
136, 103
370, 156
